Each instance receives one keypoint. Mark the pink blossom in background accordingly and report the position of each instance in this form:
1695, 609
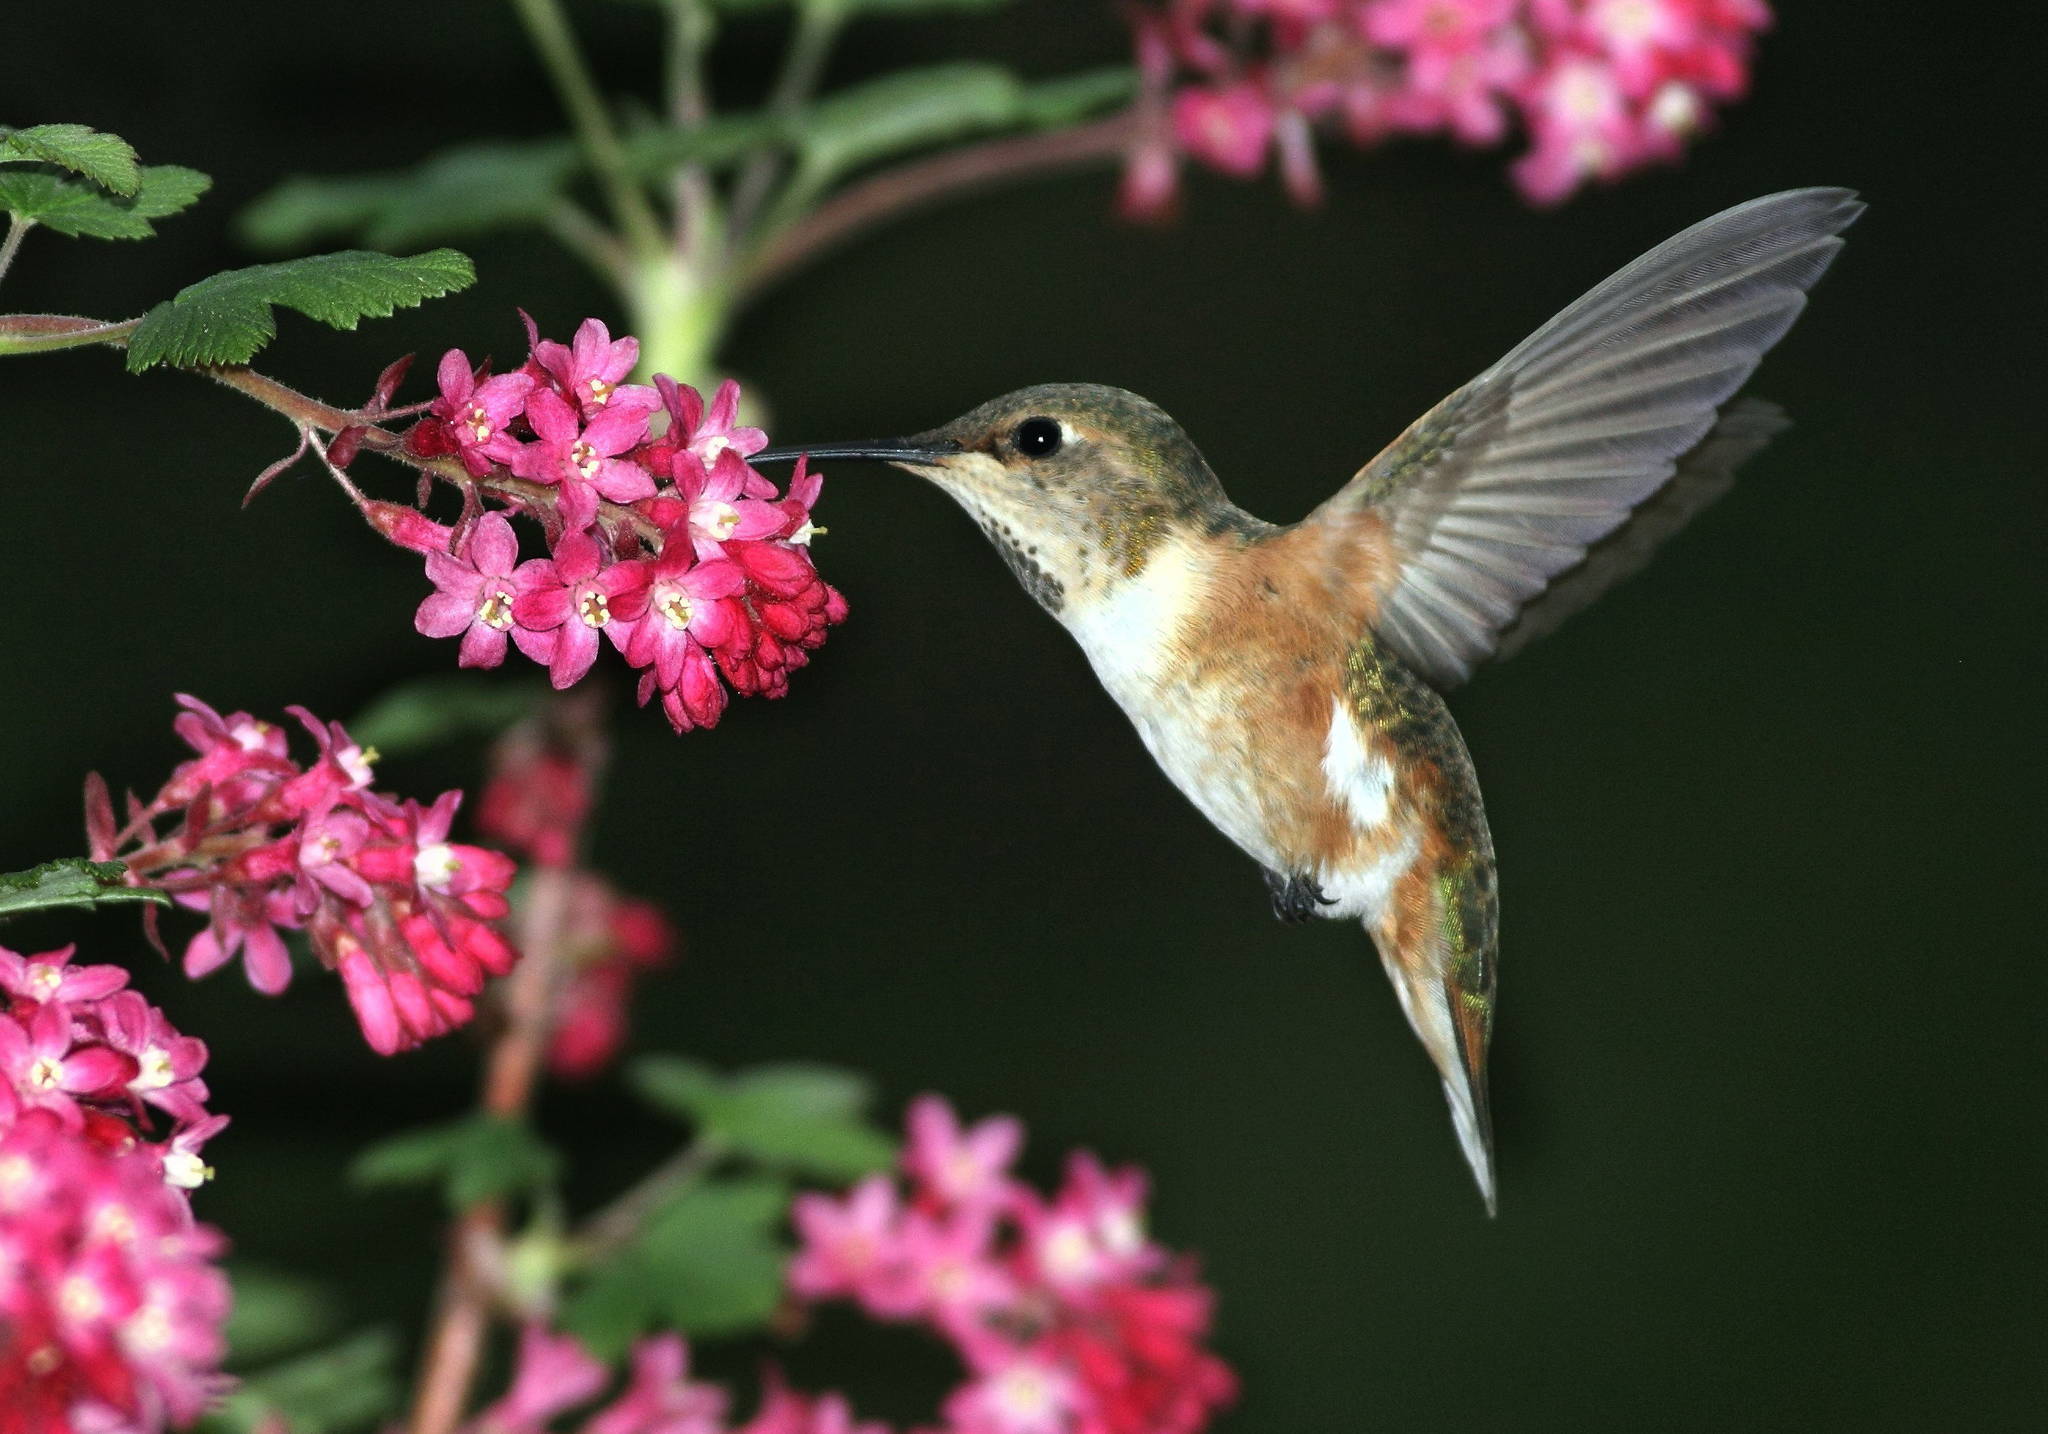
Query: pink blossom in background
608, 943
1065, 1315
406, 917
1599, 87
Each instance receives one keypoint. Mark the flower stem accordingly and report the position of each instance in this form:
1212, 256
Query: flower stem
817, 27
548, 28
45, 333
690, 27
17, 230
945, 175
463, 1307
610, 1228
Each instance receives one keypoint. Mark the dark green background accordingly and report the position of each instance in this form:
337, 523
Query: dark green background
1768, 1059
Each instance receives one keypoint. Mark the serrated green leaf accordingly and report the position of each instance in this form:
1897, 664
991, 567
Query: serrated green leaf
474, 1159
73, 881
805, 1119
274, 1313
1050, 104
708, 1263
353, 1385
81, 209
225, 319
911, 109
466, 190
106, 159
431, 710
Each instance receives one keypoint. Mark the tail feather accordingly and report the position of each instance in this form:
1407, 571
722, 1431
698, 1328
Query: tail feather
1454, 1031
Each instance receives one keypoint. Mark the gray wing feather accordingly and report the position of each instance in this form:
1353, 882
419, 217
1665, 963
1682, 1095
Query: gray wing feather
1506, 484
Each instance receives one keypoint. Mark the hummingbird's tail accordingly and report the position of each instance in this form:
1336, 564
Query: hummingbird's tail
1439, 946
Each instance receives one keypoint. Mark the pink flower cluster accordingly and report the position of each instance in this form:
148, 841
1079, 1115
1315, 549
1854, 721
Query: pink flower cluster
535, 801
608, 941
1601, 86
1068, 1318
661, 537
264, 845
110, 1305
555, 1374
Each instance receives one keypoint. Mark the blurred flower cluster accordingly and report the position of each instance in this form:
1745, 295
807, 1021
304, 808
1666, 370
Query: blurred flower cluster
555, 1374
1069, 1320
661, 537
1067, 1317
264, 845
110, 1304
535, 801
1601, 87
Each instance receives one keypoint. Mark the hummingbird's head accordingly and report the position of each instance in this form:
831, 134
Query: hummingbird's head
1075, 483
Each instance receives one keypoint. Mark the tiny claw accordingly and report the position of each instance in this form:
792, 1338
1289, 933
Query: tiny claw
1295, 897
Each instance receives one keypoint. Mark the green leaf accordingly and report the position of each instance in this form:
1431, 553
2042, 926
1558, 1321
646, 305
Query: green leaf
1049, 104
274, 1313
478, 1158
445, 708
73, 881
911, 109
77, 208
470, 189
227, 318
106, 159
804, 1119
353, 1385
723, 139
708, 1263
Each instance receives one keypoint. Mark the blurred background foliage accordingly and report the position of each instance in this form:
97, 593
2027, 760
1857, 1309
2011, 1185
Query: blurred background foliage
1769, 1054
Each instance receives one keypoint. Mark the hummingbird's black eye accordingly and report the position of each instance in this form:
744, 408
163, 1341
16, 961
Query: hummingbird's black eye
1037, 437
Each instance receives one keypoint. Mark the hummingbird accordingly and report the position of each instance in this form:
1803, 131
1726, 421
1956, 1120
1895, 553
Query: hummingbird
1289, 679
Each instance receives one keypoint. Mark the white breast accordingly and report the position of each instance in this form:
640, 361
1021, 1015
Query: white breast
1134, 635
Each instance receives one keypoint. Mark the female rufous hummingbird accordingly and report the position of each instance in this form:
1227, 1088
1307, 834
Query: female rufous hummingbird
1287, 678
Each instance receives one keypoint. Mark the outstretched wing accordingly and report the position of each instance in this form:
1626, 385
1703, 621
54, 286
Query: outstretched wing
1508, 482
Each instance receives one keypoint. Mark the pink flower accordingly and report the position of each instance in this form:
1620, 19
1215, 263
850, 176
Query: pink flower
48, 1068
955, 1167
660, 1398
50, 976
474, 416
577, 595
246, 921
167, 1065
1029, 1395
850, 1247
477, 586
554, 1372
707, 435
591, 369
1228, 126
110, 1304
581, 460
720, 511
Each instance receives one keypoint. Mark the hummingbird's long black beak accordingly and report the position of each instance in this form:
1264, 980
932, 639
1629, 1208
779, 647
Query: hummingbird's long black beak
879, 450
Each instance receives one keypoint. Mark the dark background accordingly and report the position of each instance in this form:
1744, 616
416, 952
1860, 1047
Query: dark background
1767, 1069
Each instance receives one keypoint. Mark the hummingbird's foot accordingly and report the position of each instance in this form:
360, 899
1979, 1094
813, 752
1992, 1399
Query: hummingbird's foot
1296, 897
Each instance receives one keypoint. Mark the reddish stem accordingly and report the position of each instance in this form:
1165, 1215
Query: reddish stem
946, 174
467, 1293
